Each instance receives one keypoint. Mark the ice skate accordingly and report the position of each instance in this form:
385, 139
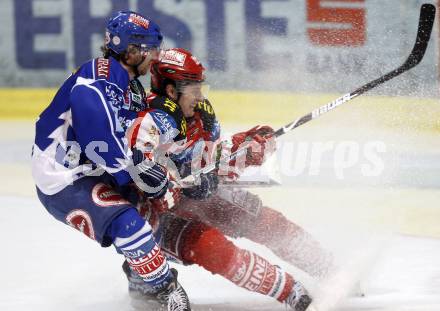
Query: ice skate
299, 299
171, 298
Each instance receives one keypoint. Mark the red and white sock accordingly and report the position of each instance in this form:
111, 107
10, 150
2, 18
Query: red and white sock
209, 248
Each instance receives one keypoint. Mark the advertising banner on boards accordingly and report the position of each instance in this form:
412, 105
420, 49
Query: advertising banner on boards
289, 45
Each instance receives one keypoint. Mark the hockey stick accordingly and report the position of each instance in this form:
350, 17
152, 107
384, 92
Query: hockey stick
426, 23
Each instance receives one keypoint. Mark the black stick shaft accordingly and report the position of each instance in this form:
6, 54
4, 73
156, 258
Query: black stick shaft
426, 22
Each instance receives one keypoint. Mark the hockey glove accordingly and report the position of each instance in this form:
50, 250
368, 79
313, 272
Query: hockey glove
207, 186
150, 177
262, 144
204, 185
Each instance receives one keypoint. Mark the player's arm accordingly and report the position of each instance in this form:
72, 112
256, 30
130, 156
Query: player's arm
102, 139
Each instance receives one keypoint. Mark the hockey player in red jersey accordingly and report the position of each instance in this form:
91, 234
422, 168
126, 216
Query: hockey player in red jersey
193, 224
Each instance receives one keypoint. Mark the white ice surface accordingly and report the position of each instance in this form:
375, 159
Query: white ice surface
46, 265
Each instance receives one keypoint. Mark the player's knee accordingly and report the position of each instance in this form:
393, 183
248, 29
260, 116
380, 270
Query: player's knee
209, 248
269, 217
133, 237
126, 224
270, 225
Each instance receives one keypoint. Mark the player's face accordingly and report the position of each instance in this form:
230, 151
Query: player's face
191, 94
142, 58
149, 56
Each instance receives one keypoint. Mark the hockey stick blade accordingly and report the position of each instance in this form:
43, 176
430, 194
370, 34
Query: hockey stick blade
426, 23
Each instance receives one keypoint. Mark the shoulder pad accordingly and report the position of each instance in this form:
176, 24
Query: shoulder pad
103, 69
171, 108
86, 70
165, 104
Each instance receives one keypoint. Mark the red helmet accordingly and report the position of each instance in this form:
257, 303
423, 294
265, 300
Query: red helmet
178, 65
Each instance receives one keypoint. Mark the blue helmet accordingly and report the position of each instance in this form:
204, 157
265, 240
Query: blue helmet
127, 27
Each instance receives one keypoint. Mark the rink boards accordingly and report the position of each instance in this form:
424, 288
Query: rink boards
250, 107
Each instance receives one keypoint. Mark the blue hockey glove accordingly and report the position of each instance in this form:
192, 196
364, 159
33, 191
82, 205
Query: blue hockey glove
150, 176
207, 185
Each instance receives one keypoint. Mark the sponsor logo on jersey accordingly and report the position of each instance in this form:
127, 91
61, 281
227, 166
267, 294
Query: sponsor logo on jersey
134, 97
258, 273
139, 20
165, 123
183, 127
125, 121
280, 278
80, 220
241, 272
103, 195
127, 98
151, 266
205, 107
172, 106
134, 253
114, 97
255, 274
269, 281
242, 264
173, 57
103, 67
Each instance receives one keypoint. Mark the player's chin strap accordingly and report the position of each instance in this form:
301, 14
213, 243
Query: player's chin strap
426, 22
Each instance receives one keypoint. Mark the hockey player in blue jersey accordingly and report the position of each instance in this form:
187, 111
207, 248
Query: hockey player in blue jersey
83, 168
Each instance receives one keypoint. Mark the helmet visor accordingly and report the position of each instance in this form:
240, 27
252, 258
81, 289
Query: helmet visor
144, 48
146, 52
